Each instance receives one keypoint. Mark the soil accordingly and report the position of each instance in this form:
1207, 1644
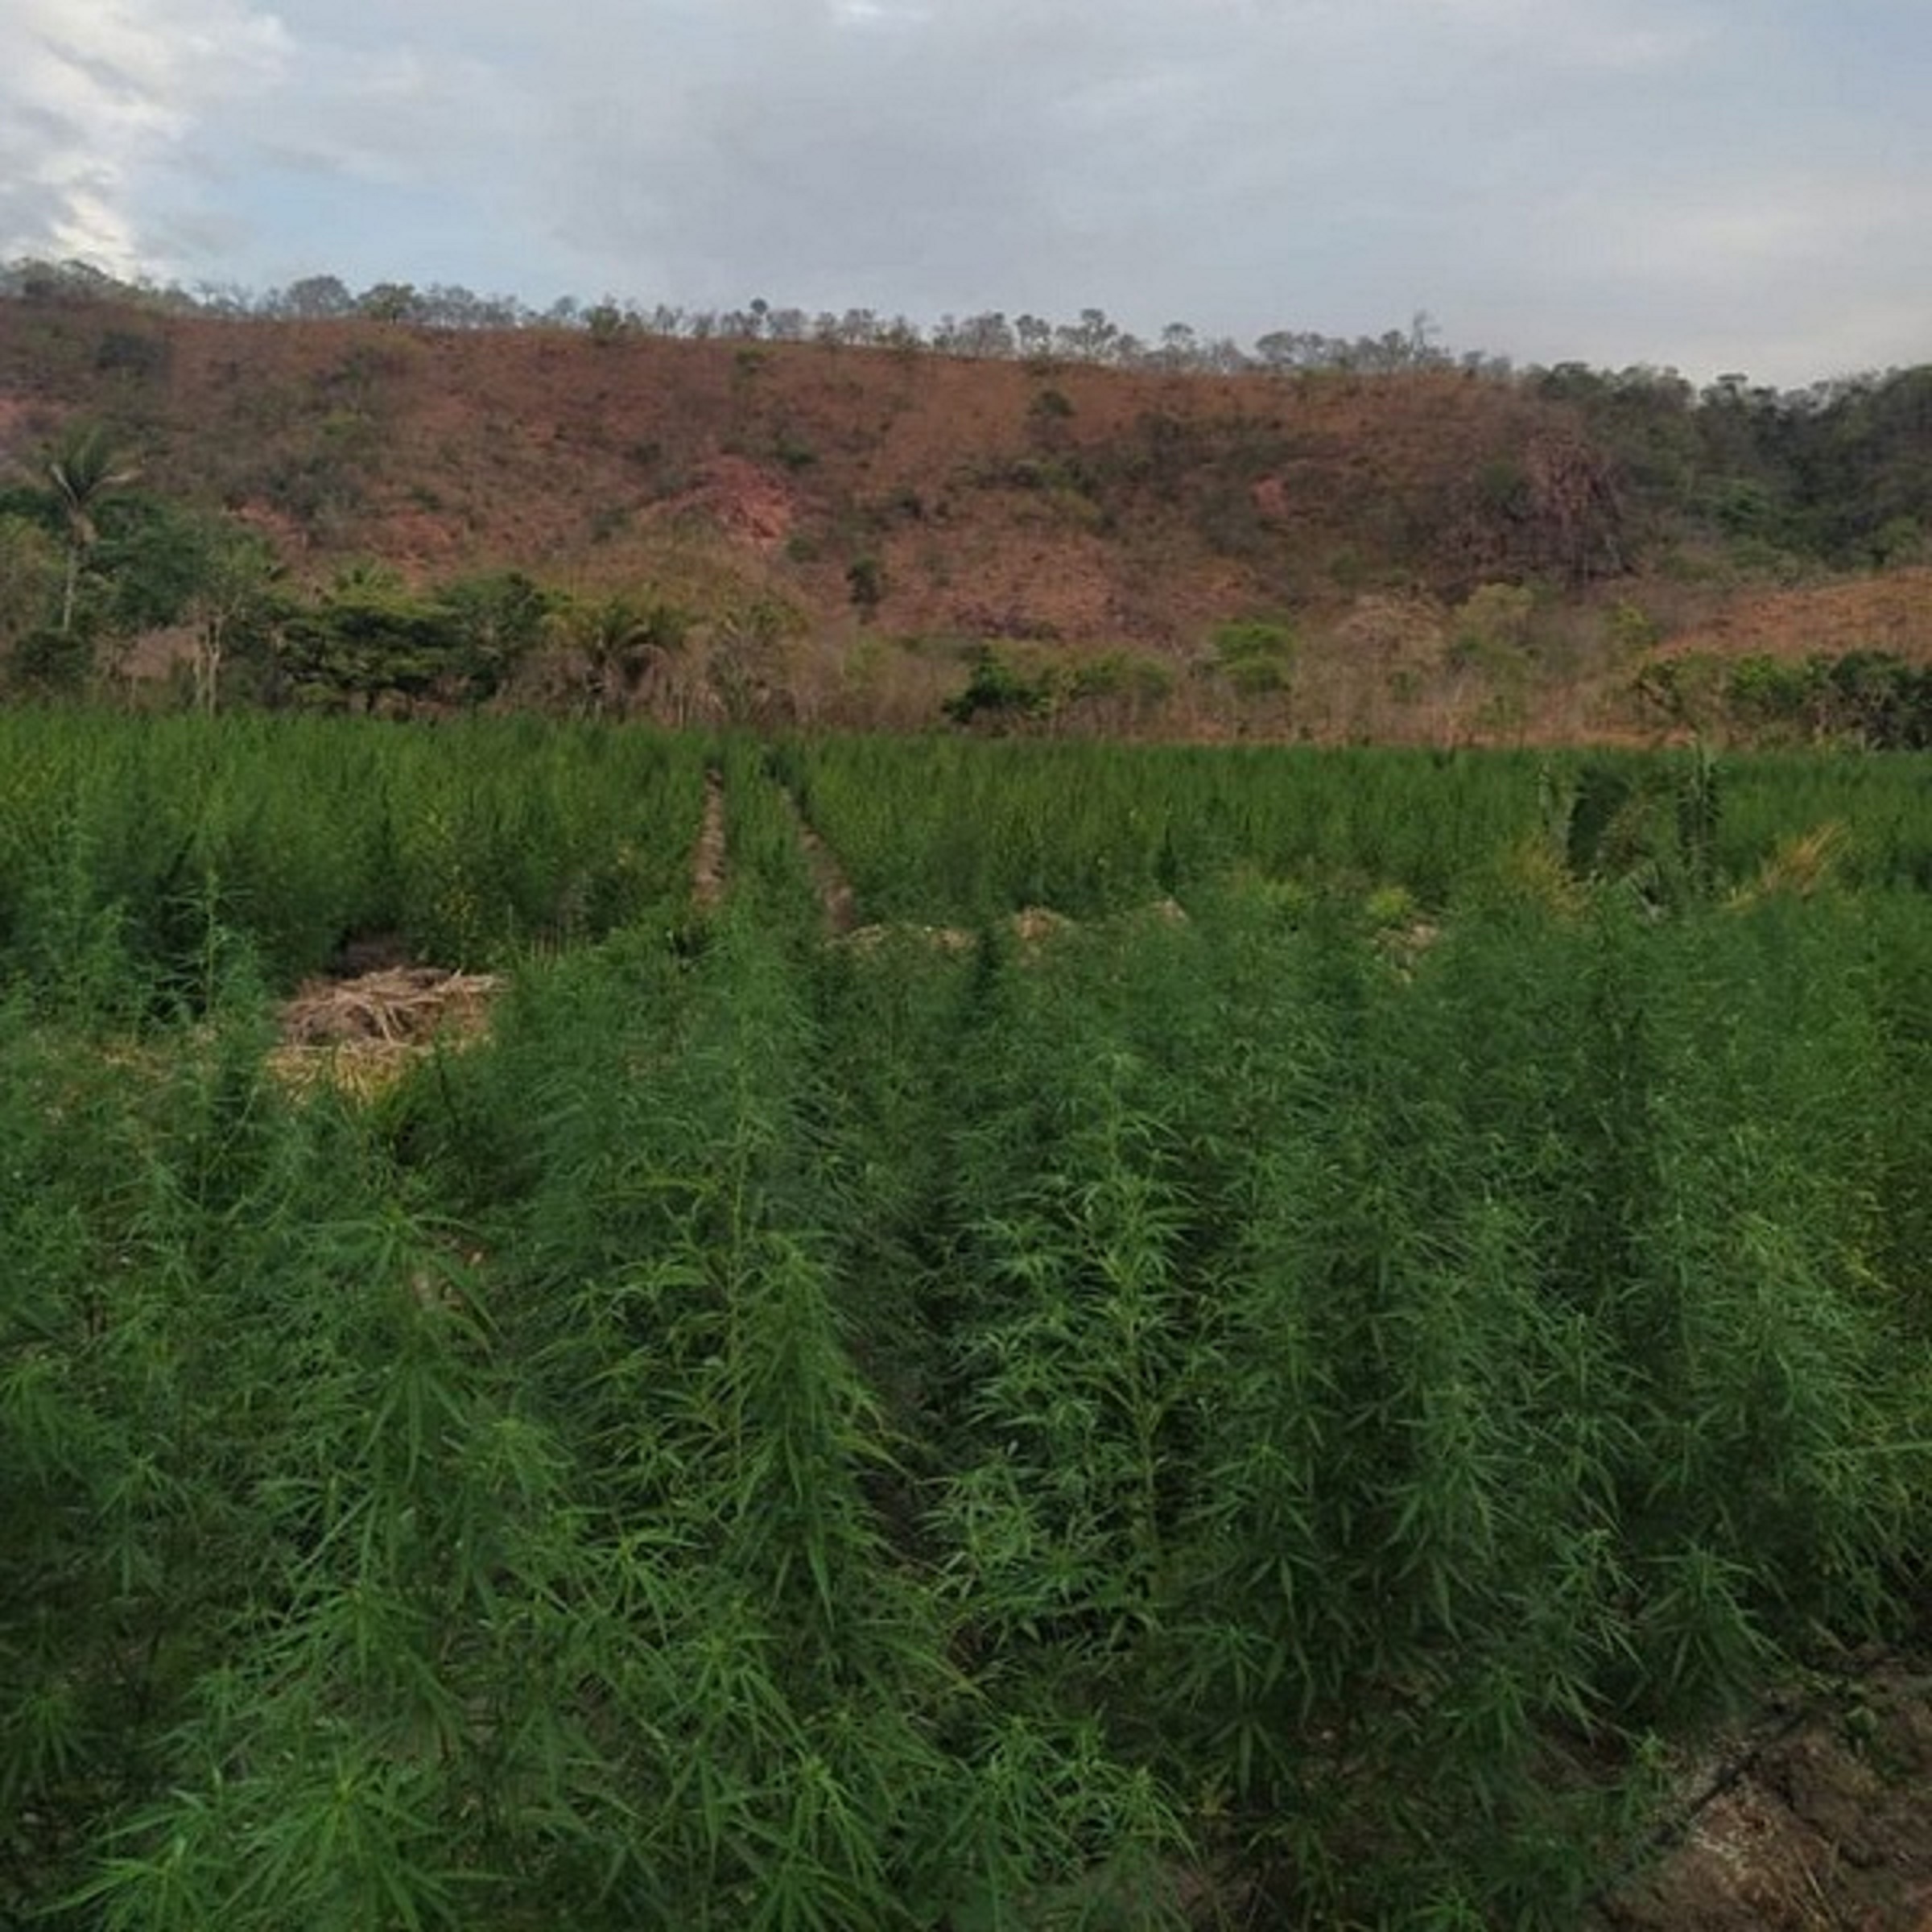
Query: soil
708, 857
1822, 1822
728, 476
836, 898
1893, 613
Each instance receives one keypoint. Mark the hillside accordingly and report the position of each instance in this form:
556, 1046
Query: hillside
1427, 553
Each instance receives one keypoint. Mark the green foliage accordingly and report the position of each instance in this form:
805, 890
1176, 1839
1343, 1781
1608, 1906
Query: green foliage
1010, 1430
1049, 406
29, 577
47, 661
369, 639
501, 616
152, 555
82, 468
615, 641
120, 842
1120, 688
998, 694
1835, 474
746, 668
1651, 831
865, 580
1875, 700
792, 450
137, 356
1255, 656
1492, 622
367, 634
1632, 628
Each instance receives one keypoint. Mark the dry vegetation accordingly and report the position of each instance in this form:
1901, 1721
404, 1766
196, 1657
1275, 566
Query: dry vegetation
361, 1034
838, 529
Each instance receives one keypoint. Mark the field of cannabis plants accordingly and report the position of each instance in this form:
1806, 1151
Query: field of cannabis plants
1268, 1409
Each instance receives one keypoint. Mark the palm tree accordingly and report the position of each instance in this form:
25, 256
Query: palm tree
619, 641
82, 469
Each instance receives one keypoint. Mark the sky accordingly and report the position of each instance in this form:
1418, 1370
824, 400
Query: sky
1708, 185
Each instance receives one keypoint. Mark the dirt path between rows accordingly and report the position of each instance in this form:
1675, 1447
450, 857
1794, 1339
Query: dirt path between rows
836, 898
707, 856
1822, 1822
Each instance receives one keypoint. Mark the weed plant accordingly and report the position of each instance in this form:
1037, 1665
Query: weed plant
960, 830
122, 839
1031, 1434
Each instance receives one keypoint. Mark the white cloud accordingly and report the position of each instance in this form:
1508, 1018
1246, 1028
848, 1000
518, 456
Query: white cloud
101, 98
1612, 178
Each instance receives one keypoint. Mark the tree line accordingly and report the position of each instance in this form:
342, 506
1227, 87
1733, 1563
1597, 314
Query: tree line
92, 562
1092, 337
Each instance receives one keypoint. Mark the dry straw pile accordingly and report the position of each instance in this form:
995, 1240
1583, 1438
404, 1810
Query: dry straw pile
359, 1035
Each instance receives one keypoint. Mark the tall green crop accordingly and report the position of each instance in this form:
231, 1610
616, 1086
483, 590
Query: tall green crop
1015, 1424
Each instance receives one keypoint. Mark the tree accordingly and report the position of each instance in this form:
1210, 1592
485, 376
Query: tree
1490, 641
1255, 656
746, 670
997, 693
151, 559
1092, 339
369, 639
989, 335
81, 468
316, 298
866, 580
616, 641
233, 598
1035, 335
390, 302
500, 618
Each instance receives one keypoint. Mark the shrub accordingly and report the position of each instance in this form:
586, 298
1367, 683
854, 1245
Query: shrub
1256, 656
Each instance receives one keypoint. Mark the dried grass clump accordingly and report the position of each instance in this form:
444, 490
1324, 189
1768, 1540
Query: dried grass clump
359, 1036
406, 1004
1802, 866
940, 939
1032, 926
1402, 946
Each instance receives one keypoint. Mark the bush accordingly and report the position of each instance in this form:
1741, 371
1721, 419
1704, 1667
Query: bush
1256, 657
998, 694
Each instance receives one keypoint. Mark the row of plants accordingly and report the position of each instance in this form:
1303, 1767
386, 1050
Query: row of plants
959, 830
124, 842
132, 849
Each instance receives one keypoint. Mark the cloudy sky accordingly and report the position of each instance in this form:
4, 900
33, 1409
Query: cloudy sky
1711, 184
